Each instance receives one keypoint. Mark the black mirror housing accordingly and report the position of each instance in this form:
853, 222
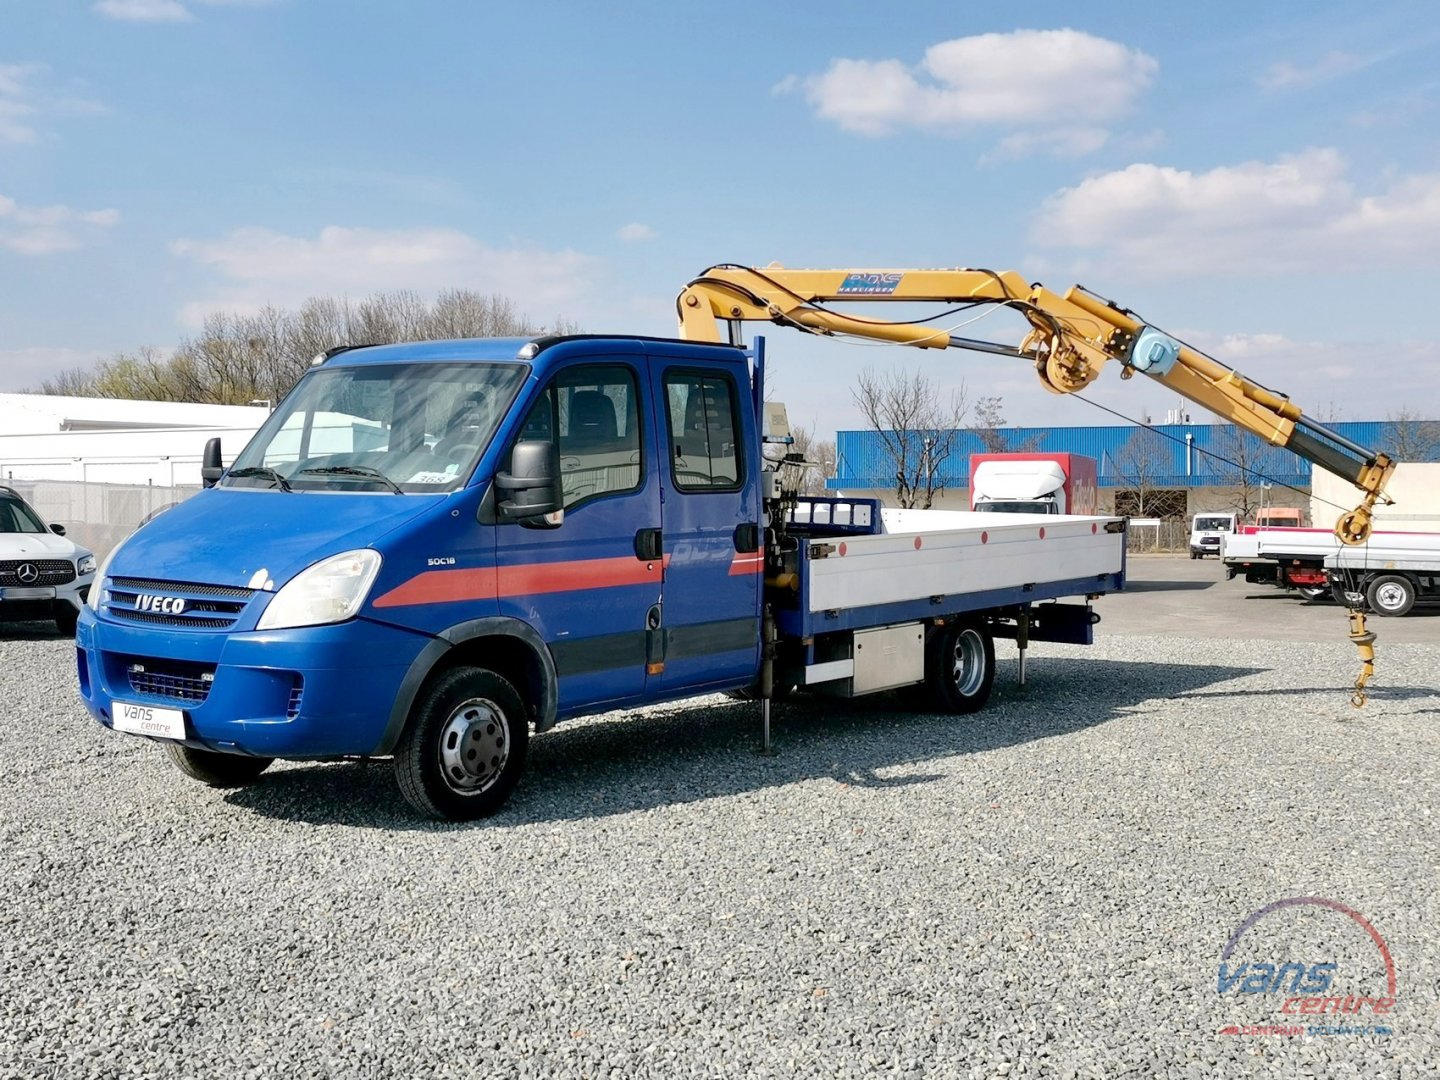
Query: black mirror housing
531, 488
58, 530
210, 467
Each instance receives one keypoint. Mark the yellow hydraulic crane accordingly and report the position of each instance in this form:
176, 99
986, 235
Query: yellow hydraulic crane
1071, 338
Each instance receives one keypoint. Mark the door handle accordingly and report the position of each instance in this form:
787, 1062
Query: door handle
648, 546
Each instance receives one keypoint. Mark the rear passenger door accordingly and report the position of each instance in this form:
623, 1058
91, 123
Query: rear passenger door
585, 586
709, 514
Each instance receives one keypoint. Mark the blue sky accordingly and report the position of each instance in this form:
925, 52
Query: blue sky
1263, 180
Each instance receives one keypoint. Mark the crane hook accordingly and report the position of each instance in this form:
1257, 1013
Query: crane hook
1365, 644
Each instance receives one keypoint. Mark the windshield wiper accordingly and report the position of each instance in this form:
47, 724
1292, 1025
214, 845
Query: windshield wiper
363, 471
263, 472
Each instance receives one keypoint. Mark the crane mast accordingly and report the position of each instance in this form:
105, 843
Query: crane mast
1071, 338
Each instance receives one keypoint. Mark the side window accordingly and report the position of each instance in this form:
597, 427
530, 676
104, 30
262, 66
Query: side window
593, 414
704, 447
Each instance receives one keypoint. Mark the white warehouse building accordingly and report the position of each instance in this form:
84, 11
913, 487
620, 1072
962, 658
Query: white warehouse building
110, 441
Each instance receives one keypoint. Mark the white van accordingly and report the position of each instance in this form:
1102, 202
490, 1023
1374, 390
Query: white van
1206, 531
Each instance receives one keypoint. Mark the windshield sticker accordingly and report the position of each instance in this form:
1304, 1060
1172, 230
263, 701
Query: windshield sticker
431, 478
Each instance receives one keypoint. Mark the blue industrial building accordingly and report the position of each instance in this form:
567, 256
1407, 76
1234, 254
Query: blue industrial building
1173, 455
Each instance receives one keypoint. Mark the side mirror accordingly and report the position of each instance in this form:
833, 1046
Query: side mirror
210, 468
58, 530
531, 489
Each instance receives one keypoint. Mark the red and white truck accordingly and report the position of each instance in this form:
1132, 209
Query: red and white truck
1033, 483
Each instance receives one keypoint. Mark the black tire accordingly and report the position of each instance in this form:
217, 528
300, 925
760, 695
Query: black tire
1390, 594
464, 747
959, 667
65, 619
217, 770
1314, 592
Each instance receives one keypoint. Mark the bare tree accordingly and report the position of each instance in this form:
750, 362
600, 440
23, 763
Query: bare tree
1142, 463
1244, 462
918, 429
817, 460
988, 425
237, 359
1411, 438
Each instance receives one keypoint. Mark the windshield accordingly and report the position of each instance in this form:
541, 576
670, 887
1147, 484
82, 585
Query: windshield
1016, 506
381, 428
16, 517
1215, 524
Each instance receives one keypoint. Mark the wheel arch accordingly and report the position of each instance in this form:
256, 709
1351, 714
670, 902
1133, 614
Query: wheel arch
508, 647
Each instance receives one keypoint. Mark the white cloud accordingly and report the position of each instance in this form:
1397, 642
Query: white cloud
259, 266
26, 368
1048, 80
636, 231
144, 10
1284, 75
1295, 214
43, 230
156, 11
24, 102
1062, 143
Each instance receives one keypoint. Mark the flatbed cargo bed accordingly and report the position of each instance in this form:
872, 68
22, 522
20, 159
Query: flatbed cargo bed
861, 566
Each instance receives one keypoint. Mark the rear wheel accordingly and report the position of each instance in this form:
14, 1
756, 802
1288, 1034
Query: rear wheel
959, 667
464, 749
217, 770
1390, 594
1314, 592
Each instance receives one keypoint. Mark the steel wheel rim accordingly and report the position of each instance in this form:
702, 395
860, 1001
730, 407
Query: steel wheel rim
1390, 596
474, 746
967, 665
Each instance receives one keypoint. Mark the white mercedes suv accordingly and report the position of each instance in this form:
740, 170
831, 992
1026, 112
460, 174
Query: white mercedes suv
42, 575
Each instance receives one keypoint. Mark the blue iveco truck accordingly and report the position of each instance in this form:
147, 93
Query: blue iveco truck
430, 550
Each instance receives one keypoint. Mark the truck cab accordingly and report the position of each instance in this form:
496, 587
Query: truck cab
1208, 532
570, 511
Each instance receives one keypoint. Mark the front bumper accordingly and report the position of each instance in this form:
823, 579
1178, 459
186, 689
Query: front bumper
319, 691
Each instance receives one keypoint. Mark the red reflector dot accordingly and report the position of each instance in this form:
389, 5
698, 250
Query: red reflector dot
1094, 528
1042, 532
842, 547
984, 538
917, 543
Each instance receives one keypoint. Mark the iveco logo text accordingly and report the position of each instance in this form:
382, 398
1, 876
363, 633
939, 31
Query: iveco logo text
167, 605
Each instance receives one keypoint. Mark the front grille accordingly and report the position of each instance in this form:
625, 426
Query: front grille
48, 571
186, 683
176, 603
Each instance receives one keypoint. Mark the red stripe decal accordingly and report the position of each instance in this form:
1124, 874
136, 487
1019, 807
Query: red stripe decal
490, 583
747, 562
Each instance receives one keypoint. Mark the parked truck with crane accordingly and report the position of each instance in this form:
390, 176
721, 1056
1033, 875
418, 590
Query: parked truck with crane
548, 528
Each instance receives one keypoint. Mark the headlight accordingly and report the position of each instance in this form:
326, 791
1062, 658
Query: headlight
331, 591
86, 565
97, 587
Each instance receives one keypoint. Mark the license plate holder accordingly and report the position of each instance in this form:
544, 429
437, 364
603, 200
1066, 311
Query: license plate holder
149, 720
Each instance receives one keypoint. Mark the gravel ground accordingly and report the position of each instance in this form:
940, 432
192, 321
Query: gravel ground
1042, 890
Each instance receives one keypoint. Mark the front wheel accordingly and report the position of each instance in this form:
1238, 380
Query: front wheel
1390, 594
464, 748
217, 770
959, 667
66, 618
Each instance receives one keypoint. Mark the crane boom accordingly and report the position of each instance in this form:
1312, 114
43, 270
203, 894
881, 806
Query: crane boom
1072, 336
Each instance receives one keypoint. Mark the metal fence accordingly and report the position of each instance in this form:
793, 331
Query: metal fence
1157, 534
99, 516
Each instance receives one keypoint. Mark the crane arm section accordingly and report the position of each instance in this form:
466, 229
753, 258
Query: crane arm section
1072, 336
